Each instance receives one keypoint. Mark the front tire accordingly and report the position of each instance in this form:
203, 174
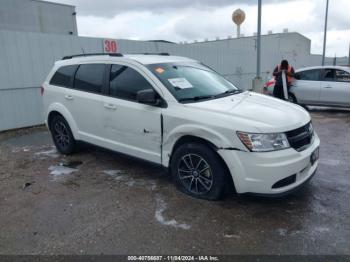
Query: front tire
198, 171
62, 135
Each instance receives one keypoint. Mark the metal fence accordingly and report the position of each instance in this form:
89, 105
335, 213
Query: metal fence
27, 57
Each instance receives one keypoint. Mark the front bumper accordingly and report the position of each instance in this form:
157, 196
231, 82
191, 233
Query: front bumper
256, 172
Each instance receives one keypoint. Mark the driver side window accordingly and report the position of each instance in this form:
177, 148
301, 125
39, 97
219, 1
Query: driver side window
328, 74
125, 82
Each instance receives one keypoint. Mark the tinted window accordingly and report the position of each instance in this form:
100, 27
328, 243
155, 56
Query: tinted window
310, 75
328, 74
342, 76
63, 76
125, 82
89, 77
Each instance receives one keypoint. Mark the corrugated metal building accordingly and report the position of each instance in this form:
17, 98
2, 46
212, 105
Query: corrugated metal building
38, 16
28, 53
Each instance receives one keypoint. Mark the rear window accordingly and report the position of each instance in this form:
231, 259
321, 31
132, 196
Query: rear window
89, 78
63, 76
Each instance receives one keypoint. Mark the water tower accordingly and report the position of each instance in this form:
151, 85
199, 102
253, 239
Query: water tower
238, 17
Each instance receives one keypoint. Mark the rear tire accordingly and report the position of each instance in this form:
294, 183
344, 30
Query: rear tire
62, 135
198, 171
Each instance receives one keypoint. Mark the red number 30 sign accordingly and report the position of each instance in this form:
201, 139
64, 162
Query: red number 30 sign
110, 46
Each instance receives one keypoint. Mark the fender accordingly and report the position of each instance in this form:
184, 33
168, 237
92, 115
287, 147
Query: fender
65, 113
199, 131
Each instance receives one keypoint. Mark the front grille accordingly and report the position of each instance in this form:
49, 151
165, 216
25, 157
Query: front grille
301, 137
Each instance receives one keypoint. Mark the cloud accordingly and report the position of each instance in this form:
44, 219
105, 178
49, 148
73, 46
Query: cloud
184, 20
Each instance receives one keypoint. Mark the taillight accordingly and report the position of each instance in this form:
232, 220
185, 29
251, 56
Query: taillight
42, 90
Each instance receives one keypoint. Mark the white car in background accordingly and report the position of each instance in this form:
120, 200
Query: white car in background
178, 113
318, 85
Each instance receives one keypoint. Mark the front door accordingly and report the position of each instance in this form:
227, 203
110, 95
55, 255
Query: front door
306, 86
131, 127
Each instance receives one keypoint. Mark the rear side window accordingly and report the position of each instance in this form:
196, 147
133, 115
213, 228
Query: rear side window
89, 78
125, 82
309, 75
342, 76
63, 76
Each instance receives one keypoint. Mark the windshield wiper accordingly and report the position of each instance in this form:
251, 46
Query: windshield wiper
195, 98
229, 92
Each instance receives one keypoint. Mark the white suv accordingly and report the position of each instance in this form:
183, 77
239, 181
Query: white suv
178, 113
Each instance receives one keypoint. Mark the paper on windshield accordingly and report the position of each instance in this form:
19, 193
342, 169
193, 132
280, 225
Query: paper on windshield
180, 82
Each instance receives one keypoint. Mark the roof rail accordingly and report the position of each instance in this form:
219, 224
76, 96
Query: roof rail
91, 54
166, 54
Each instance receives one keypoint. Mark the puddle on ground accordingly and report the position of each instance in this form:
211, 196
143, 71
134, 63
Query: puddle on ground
60, 172
124, 177
21, 149
116, 174
45, 154
64, 169
161, 207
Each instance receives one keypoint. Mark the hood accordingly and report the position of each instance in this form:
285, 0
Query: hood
264, 113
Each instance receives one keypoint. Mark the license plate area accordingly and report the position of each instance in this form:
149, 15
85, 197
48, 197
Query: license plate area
315, 156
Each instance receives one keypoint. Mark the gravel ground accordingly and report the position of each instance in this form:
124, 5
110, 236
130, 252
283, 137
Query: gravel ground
100, 202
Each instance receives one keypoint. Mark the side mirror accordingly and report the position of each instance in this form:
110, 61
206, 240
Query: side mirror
147, 96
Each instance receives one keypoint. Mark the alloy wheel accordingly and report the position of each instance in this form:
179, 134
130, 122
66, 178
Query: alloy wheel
195, 174
61, 134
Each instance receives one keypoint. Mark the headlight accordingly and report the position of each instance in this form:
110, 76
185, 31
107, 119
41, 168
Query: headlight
264, 142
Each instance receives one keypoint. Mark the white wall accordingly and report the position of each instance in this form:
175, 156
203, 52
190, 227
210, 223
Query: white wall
25, 60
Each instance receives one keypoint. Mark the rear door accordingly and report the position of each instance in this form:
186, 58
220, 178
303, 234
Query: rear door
84, 100
131, 127
307, 87
335, 87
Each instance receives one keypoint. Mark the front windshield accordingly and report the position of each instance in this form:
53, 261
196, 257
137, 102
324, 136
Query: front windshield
192, 82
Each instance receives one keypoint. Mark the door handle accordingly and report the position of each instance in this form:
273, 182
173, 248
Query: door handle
110, 106
68, 97
327, 87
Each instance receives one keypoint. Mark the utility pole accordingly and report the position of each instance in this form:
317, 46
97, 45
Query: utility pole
349, 56
257, 81
258, 58
325, 35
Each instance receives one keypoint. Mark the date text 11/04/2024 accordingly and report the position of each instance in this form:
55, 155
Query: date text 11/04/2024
173, 258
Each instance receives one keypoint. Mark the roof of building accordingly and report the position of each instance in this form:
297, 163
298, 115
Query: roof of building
53, 3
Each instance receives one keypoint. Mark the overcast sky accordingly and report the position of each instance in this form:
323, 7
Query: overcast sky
188, 20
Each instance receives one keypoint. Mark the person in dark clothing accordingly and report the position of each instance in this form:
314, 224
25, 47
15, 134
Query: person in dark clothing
277, 73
